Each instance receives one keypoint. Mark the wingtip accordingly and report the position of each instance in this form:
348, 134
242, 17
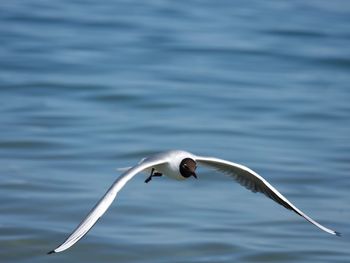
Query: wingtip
51, 252
338, 234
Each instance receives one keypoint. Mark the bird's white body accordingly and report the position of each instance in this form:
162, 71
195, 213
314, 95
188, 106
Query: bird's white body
171, 167
168, 163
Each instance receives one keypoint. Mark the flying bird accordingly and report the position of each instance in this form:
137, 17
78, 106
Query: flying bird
181, 165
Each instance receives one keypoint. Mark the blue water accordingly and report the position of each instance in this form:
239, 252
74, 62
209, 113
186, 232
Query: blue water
89, 86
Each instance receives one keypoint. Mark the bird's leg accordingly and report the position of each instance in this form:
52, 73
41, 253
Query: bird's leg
149, 178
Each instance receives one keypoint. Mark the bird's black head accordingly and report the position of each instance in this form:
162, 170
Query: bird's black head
188, 168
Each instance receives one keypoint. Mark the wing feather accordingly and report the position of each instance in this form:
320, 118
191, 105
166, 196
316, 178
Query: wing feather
256, 183
103, 204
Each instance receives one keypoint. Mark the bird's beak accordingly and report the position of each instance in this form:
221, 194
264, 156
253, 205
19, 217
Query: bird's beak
194, 175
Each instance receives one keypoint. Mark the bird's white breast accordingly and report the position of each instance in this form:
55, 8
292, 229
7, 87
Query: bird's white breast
172, 166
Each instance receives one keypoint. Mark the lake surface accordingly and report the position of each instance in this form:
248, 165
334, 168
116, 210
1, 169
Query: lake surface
89, 86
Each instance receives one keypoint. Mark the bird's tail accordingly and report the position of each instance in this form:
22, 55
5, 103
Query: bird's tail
123, 169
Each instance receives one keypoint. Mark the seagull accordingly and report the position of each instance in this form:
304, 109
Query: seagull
181, 165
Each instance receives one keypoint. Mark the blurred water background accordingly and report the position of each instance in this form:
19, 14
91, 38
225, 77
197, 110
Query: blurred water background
89, 86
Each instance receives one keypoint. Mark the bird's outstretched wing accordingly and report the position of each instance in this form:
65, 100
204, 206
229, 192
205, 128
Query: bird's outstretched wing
101, 207
256, 183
